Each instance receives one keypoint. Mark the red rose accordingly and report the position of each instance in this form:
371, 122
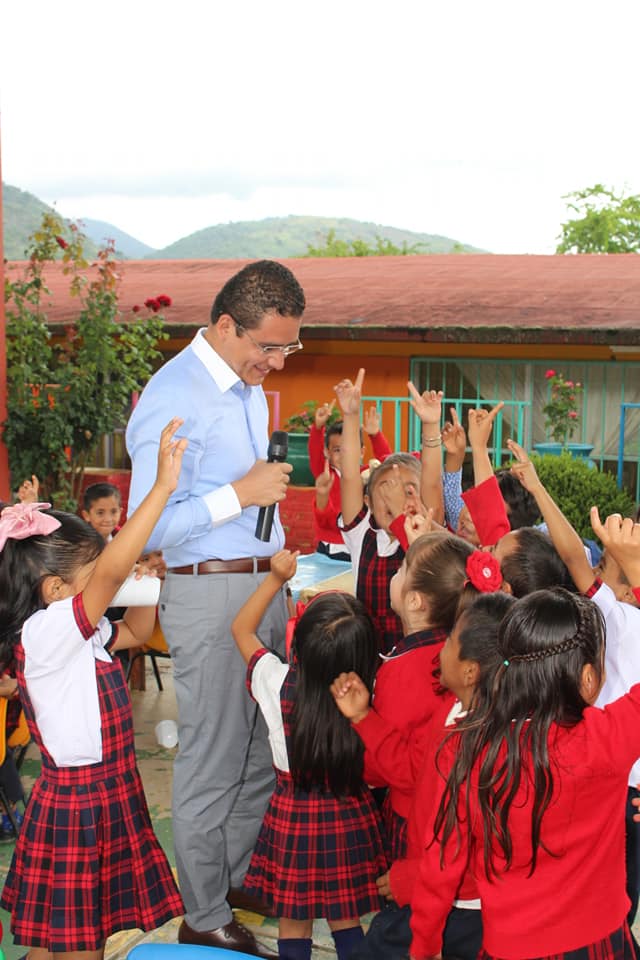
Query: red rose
62, 243
164, 300
136, 308
483, 571
549, 374
152, 304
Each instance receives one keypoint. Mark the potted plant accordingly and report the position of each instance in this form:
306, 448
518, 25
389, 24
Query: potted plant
298, 426
562, 417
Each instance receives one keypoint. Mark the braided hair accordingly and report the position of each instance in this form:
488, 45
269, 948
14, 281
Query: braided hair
545, 641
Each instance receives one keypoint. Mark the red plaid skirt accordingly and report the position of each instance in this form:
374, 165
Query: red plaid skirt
318, 856
617, 946
396, 827
87, 862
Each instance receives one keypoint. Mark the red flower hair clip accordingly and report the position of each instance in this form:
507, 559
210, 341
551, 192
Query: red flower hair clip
483, 571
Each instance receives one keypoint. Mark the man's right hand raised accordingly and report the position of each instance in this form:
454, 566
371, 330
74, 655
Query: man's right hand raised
264, 484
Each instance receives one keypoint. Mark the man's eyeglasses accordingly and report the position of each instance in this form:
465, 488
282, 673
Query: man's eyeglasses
271, 348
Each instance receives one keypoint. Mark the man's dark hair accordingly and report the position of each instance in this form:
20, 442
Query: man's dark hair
259, 287
97, 491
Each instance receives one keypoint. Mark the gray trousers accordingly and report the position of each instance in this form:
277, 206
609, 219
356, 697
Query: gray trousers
223, 772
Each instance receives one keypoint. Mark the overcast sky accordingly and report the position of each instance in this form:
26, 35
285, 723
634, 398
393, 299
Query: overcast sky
468, 119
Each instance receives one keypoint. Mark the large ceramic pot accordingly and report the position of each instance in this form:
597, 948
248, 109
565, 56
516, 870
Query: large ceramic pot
298, 457
579, 451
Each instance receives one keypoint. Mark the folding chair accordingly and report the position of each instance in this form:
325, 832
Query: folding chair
156, 647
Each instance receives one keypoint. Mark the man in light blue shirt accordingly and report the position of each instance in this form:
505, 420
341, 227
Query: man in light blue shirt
223, 774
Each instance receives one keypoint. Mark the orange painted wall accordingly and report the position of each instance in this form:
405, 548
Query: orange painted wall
310, 376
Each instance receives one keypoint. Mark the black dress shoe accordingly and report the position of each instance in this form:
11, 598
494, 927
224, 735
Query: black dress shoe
233, 936
239, 900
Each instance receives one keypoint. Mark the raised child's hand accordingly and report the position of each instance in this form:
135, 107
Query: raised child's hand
324, 480
621, 538
427, 405
284, 564
351, 696
417, 524
371, 421
349, 394
454, 439
322, 414
28, 490
523, 468
170, 454
481, 425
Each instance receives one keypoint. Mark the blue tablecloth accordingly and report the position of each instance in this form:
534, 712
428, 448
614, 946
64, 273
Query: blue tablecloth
314, 567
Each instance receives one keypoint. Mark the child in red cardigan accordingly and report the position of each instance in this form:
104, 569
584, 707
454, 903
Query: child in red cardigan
545, 835
468, 663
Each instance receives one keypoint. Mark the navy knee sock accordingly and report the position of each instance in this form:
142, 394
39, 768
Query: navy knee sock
347, 940
295, 949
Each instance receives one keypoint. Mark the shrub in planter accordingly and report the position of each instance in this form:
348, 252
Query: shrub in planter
576, 487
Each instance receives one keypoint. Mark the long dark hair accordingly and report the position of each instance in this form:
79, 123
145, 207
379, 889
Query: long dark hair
335, 634
479, 624
24, 564
544, 642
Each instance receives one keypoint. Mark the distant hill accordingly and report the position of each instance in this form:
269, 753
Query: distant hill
275, 237
126, 246
22, 215
290, 236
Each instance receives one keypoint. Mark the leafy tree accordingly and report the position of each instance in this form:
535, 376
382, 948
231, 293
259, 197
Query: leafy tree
604, 222
65, 393
333, 247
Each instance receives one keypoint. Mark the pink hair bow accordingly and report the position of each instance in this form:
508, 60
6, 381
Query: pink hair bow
25, 520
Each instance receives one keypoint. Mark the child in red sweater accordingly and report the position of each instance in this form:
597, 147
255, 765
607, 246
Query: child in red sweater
468, 663
439, 574
545, 834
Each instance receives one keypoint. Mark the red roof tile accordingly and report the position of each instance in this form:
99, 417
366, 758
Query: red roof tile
449, 297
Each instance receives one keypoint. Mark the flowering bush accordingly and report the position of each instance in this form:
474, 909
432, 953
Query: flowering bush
66, 391
561, 410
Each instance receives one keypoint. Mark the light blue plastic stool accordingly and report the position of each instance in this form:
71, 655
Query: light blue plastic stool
183, 951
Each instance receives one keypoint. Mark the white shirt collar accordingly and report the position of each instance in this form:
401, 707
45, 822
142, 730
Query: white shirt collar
221, 373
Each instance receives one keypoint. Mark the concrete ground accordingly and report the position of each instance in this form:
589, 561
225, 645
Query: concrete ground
155, 763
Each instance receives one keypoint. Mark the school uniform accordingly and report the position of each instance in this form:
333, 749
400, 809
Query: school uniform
375, 557
86, 863
407, 691
575, 898
317, 855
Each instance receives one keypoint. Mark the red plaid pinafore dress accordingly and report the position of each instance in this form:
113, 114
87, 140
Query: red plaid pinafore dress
316, 855
87, 862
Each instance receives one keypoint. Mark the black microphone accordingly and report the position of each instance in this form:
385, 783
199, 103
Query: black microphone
278, 449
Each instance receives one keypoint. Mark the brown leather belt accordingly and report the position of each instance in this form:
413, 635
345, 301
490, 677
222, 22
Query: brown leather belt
246, 565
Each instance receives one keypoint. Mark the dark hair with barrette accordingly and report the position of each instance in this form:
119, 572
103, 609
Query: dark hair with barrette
545, 642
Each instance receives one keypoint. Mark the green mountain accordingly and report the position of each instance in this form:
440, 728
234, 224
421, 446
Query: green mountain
275, 237
22, 215
290, 237
127, 247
